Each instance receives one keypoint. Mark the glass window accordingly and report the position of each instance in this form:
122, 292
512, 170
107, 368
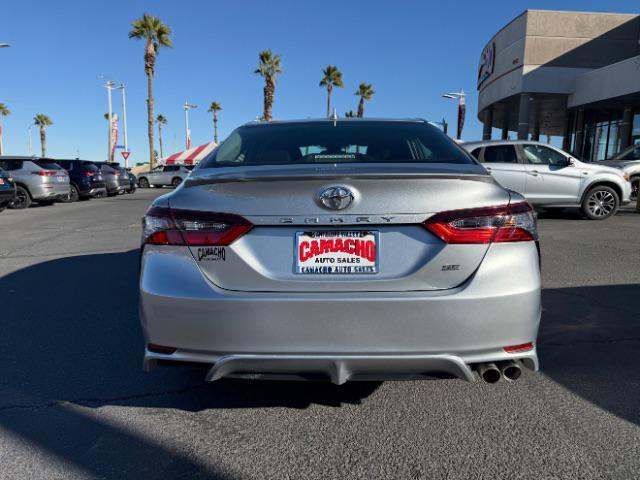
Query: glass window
500, 154
476, 153
346, 142
540, 155
47, 164
635, 129
632, 153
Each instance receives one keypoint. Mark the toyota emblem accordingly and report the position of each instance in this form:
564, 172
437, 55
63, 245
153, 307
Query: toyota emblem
335, 198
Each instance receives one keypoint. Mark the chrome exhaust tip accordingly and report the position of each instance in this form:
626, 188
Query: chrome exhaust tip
510, 370
489, 372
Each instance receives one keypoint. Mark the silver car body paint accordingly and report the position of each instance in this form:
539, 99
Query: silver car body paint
41, 188
548, 186
433, 307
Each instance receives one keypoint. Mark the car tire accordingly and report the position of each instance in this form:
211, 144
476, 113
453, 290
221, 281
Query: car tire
74, 195
2, 208
600, 202
635, 184
175, 182
23, 199
143, 183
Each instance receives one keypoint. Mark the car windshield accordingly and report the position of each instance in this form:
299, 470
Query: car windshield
47, 164
343, 142
633, 153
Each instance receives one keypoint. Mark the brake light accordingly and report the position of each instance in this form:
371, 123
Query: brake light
45, 173
88, 174
504, 223
164, 226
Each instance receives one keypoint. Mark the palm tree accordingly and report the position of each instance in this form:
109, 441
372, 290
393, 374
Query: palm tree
215, 108
365, 92
156, 34
350, 114
161, 120
269, 69
42, 121
4, 112
332, 78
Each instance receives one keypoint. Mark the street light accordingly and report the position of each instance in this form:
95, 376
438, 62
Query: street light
459, 96
30, 150
187, 107
4, 45
124, 122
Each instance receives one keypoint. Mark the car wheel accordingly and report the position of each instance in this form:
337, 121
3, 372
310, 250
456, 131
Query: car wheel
600, 202
176, 181
73, 195
2, 208
23, 199
143, 183
635, 183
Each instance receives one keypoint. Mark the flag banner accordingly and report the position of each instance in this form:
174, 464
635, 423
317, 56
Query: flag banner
462, 109
114, 136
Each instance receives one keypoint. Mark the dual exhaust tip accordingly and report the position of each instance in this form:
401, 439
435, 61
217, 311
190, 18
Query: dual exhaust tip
510, 370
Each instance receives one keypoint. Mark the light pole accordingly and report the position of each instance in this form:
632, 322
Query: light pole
30, 151
124, 122
459, 96
187, 107
4, 45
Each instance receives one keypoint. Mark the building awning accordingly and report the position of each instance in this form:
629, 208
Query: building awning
189, 157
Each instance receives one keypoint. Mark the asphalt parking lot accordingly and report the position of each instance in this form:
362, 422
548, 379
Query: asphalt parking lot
74, 402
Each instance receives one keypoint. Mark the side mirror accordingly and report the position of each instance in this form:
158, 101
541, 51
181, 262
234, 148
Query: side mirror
570, 162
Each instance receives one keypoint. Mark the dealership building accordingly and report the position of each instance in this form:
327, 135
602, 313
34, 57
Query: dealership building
570, 74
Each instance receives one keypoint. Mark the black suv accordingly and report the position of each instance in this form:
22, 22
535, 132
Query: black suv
85, 178
7, 190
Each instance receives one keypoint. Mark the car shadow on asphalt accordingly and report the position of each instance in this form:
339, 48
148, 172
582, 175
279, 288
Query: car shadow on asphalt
71, 342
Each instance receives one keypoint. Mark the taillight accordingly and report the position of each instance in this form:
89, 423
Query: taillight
504, 223
88, 174
45, 173
164, 226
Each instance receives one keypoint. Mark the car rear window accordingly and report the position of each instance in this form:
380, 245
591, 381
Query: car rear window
47, 164
339, 142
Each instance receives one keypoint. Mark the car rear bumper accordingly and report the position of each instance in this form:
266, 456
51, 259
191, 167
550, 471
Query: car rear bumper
341, 335
53, 191
7, 196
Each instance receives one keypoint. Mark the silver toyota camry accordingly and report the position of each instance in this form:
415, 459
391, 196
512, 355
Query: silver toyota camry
341, 249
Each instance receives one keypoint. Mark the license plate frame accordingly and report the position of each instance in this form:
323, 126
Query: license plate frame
350, 266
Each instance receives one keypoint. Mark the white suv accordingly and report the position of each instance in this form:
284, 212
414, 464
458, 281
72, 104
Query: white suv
549, 177
172, 175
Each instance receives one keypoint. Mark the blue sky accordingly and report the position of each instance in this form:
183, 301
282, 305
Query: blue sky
411, 51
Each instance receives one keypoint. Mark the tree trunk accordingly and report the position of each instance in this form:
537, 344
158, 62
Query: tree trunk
43, 140
160, 139
149, 63
361, 108
329, 88
215, 127
269, 94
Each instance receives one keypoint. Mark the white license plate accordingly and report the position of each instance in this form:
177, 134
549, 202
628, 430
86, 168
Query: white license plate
337, 252
60, 179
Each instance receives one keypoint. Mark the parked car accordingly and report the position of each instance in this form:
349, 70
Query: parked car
133, 182
86, 179
38, 180
629, 162
551, 178
356, 249
161, 176
115, 177
7, 190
